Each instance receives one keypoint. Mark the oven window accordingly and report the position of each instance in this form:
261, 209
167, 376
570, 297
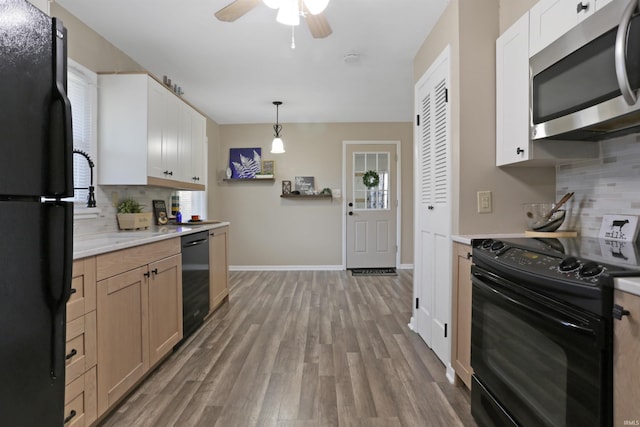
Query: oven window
529, 362
539, 368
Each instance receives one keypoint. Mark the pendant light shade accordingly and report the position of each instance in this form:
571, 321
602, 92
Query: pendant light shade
277, 146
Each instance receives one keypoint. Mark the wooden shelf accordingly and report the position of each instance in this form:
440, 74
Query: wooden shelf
306, 196
249, 179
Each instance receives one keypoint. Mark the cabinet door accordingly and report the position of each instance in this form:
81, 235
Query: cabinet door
626, 354
165, 306
83, 284
155, 123
552, 18
218, 267
123, 343
198, 152
461, 316
170, 137
512, 94
185, 143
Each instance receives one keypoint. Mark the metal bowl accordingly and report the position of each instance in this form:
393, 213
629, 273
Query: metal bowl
536, 217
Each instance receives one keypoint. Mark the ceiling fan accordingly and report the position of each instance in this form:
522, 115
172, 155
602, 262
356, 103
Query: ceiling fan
289, 12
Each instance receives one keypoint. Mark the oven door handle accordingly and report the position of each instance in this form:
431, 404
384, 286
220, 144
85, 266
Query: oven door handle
565, 323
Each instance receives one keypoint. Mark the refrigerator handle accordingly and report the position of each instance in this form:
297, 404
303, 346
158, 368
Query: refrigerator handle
58, 247
60, 172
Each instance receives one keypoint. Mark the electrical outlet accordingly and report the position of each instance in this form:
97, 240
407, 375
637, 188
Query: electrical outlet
484, 202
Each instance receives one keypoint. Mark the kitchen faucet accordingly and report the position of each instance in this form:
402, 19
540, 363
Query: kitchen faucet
91, 199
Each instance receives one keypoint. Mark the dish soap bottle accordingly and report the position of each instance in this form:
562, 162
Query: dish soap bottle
178, 217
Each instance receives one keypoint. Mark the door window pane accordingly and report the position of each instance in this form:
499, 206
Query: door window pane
372, 165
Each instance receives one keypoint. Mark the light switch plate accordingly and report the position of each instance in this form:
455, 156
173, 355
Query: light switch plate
484, 202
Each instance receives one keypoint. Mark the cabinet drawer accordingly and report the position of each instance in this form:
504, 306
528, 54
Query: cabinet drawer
83, 285
80, 401
80, 349
113, 263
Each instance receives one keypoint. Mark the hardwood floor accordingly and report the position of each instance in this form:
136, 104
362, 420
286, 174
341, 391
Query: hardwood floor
316, 348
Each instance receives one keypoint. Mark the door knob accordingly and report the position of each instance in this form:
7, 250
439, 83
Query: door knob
350, 204
350, 213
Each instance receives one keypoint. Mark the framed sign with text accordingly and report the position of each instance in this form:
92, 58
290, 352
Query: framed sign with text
619, 227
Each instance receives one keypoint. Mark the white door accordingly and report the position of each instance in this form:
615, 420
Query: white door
371, 207
433, 249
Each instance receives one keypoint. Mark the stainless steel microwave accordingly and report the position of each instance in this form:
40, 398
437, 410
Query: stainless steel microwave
583, 85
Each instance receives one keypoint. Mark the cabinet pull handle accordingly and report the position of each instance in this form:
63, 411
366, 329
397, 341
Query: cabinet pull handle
73, 291
619, 311
147, 274
469, 255
72, 353
154, 271
72, 414
519, 151
581, 6
430, 207
168, 173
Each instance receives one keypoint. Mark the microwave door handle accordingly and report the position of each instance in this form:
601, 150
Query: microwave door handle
620, 53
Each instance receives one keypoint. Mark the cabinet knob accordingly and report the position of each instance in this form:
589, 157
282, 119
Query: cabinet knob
519, 150
581, 6
619, 311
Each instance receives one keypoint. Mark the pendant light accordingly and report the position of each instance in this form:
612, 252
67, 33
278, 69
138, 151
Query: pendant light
277, 146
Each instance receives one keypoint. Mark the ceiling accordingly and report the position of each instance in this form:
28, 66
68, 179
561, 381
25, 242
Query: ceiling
233, 71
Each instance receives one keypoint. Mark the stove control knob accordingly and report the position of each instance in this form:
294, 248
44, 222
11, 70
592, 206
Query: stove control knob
591, 269
486, 244
569, 264
497, 245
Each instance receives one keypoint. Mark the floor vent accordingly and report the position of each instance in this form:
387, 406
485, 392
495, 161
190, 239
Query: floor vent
373, 272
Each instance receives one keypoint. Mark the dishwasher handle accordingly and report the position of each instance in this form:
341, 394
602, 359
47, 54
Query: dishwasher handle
194, 243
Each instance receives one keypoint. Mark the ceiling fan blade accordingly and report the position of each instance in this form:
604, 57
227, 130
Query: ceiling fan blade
236, 9
318, 25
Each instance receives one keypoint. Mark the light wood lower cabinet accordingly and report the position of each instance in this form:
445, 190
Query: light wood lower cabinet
626, 361
139, 315
218, 267
461, 313
81, 352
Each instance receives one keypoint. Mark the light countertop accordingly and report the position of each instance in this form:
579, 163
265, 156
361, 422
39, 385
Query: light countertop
96, 244
627, 284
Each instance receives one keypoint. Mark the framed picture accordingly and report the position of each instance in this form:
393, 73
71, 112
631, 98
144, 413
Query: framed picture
245, 163
305, 184
619, 227
268, 167
286, 187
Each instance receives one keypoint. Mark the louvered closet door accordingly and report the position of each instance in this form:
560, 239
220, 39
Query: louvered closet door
432, 276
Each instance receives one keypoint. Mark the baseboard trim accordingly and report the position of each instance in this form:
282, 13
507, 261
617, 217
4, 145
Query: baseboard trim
285, 268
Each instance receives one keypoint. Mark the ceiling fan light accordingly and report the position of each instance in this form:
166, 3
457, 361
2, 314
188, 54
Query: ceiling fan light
273, 4
277, 146
316, 6
288, 14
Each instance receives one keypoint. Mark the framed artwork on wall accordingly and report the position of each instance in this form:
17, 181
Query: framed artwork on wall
286, 187
305, 184
245, 163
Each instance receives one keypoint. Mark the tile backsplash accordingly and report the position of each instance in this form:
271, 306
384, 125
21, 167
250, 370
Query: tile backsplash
106, 221
610, 185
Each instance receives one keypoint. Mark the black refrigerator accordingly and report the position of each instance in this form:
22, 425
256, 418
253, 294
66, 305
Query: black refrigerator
36, 227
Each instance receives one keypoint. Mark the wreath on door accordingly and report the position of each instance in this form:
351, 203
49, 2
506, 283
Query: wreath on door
371, 179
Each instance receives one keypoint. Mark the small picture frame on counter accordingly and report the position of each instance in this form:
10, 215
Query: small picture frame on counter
286, 187
619, 227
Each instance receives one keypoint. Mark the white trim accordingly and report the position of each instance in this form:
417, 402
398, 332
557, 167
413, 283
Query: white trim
405, 267
398, 194
286, 268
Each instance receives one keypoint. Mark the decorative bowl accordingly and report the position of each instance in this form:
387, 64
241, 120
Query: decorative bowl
536, 217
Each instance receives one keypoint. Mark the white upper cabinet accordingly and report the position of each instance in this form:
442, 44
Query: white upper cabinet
147, 135
512, 94
550, 19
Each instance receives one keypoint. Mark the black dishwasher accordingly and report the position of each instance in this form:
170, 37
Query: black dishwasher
195, 281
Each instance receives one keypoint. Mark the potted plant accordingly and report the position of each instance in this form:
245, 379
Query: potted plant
131, 217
